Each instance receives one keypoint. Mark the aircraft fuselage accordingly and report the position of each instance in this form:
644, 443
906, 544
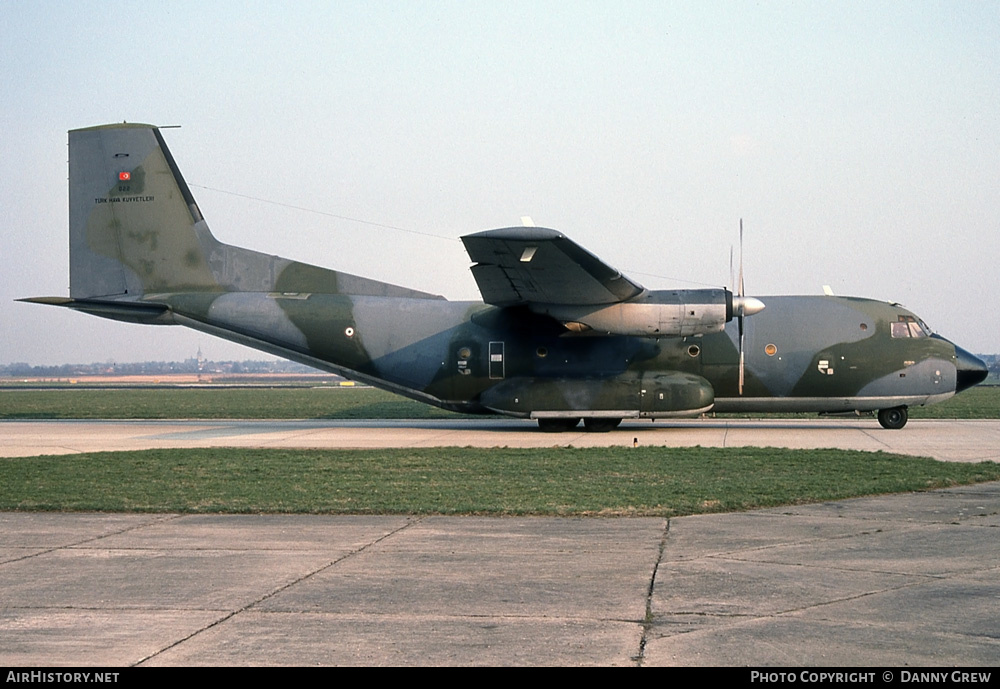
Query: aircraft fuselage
805, 353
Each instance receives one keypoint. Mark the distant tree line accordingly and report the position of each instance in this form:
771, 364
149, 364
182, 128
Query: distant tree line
20, 369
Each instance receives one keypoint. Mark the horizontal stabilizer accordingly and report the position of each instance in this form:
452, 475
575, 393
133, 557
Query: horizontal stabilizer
130, 312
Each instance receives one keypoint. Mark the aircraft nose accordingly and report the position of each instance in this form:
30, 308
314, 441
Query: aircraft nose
970, 370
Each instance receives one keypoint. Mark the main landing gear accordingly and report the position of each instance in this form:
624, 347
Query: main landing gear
601, 425
893, 418
557, 425
592, 425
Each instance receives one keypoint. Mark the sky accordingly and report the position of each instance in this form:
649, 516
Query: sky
858, 141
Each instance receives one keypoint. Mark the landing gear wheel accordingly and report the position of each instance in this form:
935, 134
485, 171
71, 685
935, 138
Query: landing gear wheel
557, 425
601, 425
893, 418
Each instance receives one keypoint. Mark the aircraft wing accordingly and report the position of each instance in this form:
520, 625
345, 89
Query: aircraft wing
522, 265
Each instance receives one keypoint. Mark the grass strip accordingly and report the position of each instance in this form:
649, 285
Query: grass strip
646, 481
213, 403
321, 403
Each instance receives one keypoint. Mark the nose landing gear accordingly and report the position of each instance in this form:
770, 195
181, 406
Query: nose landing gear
893, 418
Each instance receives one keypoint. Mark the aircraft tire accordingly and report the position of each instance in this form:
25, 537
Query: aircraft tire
557, 425
601, 425
893, 418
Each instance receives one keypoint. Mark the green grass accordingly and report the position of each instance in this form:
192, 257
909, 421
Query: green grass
500, 481
213, 403
316, 403
981, 402
615, 481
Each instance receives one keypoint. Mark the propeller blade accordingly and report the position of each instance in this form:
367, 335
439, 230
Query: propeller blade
741, 257
742, 362
742, 313
742, 365
732, 271
743, 306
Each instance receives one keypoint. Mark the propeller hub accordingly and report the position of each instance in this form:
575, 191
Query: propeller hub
747, 306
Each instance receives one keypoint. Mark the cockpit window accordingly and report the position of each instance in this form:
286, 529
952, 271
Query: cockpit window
909, 326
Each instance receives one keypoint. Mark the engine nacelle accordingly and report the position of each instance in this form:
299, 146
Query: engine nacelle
665, 313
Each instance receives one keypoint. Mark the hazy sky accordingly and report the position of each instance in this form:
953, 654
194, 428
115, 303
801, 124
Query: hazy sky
859, 141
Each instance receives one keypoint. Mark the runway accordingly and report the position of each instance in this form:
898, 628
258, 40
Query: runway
889, 581
947, 440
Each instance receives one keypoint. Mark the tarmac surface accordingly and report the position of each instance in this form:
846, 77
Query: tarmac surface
948, 440
908, 579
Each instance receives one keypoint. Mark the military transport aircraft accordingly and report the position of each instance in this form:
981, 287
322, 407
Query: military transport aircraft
562, 337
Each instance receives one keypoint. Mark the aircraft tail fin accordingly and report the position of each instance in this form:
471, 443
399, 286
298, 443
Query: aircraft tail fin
130, 215
136, 230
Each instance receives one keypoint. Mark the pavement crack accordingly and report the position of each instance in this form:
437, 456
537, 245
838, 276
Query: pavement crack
647, 620
844, 599
308, 575
92, 539
873, 436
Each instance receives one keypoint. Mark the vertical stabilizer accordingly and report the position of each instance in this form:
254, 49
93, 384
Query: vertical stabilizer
135, 230
134, 226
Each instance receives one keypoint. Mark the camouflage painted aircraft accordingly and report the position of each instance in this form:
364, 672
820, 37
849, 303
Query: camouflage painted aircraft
562, 337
